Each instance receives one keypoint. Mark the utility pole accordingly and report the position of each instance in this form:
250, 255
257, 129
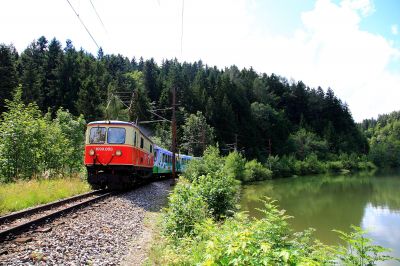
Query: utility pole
173, 125
236, 142
203, 138
269, 147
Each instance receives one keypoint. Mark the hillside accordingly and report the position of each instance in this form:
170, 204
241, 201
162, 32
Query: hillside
260, 113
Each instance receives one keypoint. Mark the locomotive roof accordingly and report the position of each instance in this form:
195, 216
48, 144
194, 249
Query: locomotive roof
113, 122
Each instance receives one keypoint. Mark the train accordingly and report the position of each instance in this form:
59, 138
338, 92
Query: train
118, 155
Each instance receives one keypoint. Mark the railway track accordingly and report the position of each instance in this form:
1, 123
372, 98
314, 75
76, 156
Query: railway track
19, 222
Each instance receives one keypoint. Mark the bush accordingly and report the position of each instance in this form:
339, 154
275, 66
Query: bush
267, 241
255, 171
219, 191
211, 162
33, 145
244, 241
311, 165
360, 250
235, 165
334, 166
186, 207
285, 167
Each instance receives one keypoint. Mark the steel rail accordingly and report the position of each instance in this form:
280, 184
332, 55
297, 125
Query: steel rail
48, 206
19, 228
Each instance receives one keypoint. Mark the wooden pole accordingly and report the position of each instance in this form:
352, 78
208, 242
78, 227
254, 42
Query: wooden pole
173, 124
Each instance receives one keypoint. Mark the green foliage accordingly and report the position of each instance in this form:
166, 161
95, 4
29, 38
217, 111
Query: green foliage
310, 165
186, 207
211, 162
263, 114
305, 143
281, 167
255, 171
359, 250
235, 165
8, 73
115, 108
244, 241
220, 191
140, 99
33, 145
385, 144
197, 134
334, 166
209, 192
73, 129
239, 240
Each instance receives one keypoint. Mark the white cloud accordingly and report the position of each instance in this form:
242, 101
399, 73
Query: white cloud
328, 49
366, 7
394, 29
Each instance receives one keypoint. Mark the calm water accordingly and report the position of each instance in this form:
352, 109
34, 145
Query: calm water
325, 203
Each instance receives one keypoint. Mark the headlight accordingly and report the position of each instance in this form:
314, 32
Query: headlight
118, 153
91, 152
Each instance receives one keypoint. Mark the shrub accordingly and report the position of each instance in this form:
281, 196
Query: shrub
219, 191
359, 250
235, 165
285, 166
244, 241
311, 165
186, 207
255, 171
211, 162
267, 241
334, 166
33, 145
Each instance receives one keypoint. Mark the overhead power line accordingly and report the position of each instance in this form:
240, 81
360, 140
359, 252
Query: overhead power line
83, 24
98, 16
183, 5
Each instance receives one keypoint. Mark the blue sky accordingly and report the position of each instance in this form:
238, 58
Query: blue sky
352, 46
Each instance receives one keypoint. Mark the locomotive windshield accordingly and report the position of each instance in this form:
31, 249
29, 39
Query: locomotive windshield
116, 135
97, 135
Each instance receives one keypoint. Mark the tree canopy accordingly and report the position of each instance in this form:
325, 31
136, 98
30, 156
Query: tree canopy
259, 112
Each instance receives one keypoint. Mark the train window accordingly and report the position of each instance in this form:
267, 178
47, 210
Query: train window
134, 139
97, 135
151, 148
141, 142
116, 135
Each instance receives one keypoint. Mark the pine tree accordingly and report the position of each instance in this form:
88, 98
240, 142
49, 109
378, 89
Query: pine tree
52, 92
8, 74
89, 101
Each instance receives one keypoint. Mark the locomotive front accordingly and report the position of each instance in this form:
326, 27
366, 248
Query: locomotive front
117, 154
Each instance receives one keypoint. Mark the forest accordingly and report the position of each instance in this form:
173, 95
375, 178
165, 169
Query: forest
257, 114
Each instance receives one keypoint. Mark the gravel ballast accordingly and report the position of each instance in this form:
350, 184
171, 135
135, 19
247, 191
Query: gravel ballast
104, 233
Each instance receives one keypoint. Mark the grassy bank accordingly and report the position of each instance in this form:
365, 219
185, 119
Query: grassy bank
25, 194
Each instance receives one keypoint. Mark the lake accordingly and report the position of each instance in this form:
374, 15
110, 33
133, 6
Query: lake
371, 201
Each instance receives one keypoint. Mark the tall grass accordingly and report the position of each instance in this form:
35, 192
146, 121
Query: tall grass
25, 194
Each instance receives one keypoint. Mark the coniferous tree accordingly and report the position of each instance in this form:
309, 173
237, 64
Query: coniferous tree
52, 69
8, 74
88, 102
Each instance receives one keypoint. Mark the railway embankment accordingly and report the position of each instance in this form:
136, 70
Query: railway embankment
110, 232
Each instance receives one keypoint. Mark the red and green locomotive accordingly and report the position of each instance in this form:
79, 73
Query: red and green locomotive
117, 154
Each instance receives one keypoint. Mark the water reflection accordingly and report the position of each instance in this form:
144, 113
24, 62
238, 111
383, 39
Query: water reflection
383, 226
326, 203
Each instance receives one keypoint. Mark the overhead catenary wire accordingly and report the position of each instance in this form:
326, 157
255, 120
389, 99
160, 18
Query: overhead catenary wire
183, 8
98, 16
83, 24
